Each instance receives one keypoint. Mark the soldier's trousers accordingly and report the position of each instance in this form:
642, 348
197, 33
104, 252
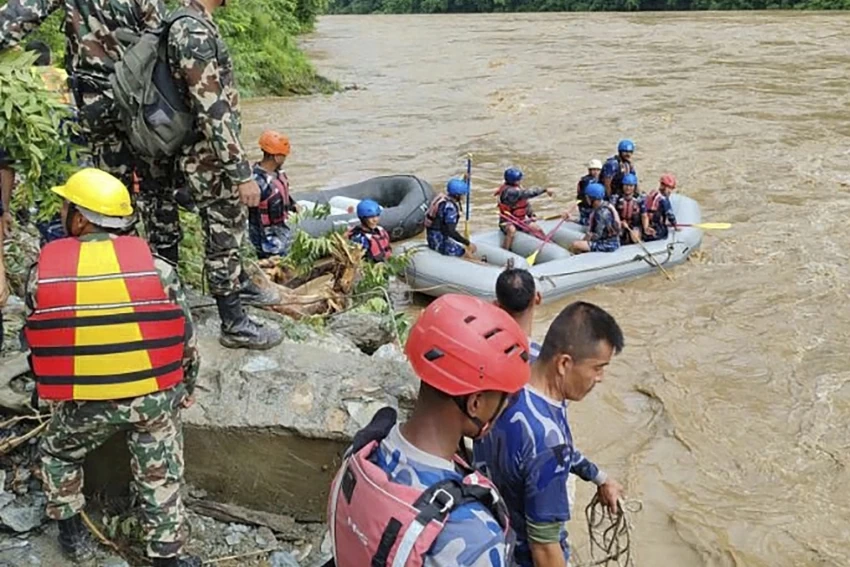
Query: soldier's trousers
223, 219
154, 433
155, 200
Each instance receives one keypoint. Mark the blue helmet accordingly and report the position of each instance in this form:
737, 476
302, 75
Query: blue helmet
513, 175
457, 187
368, 208
626, 146
630, 179
595, 191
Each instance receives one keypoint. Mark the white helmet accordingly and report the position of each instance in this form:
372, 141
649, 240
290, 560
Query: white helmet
594, 164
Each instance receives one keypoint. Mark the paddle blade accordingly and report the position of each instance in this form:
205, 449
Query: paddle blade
531, 259
712, 225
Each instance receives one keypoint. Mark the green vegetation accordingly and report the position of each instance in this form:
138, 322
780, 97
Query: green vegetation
261, 35
463, 6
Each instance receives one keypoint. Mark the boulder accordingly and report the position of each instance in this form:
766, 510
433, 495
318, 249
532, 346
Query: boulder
369, 331
24, 514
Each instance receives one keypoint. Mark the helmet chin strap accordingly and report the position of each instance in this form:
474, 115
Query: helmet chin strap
69, 217
483, 426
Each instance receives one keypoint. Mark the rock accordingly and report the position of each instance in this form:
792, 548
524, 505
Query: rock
22, 516
265, 537
283, 559
2, 481
233, 538
10, 368
389, 352
114, 562
6, 499
368, 331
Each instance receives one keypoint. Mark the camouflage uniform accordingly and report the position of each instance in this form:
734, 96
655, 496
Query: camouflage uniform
92, 46
216, 164
154, 437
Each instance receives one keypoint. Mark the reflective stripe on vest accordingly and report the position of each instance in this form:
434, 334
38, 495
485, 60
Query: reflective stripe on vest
104, 327
518, 210
273, 209
431, 220
611, 230
379, 242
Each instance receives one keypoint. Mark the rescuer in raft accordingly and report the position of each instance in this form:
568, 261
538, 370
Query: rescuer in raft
658, 211
514, 209
441, 221
616, 167
112, 341
594, 168
267, 227
630, 208
603, 229
374, 239
403, 497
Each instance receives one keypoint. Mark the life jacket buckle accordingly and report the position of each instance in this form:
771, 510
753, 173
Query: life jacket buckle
448, 503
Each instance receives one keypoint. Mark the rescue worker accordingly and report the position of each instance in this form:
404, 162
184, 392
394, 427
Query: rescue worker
616, 167
374, 239
658, 211
442, 218
112, 345
267, 227
603, 227
514, 209
530, 451
630, 207
594, 168
454, 516
517, 294
217, 171
97, 33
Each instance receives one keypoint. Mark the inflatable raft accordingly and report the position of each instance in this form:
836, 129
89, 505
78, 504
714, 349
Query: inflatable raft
556, 272
404, 199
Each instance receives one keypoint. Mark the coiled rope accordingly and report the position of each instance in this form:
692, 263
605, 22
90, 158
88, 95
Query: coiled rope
610, 534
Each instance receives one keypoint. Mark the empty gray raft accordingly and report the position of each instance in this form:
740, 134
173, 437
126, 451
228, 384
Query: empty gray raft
404, 199
557, 273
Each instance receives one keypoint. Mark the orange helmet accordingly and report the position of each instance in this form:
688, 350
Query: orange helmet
273, 143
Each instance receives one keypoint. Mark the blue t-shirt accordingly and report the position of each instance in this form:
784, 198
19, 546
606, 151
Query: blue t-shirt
528, 455
471, 536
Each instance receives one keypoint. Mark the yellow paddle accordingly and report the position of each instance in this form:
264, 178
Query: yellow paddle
709, 225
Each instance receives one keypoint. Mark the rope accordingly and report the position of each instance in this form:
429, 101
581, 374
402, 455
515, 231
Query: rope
610, 534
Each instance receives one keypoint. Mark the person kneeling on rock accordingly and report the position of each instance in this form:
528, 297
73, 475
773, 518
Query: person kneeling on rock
442, 218
402, 496
112, 341
603, 230
374, 239
267, 227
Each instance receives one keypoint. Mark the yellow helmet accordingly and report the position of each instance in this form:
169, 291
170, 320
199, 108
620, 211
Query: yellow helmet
98, 192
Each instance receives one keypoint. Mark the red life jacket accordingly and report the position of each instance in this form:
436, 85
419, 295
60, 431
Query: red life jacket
629, 210
611, 231
104, 327
653, 202
273, 209
379, 242
518, 210
433, 211
374, 521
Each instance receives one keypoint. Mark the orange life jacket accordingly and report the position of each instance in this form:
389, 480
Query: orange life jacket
518, 210
611, 231
379, 242
104, 327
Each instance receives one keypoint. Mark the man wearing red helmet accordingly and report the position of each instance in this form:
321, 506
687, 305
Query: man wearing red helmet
402, 496
530, 453
658, 211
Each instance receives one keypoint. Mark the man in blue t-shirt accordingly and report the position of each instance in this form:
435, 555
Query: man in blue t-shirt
530, 452
517, 294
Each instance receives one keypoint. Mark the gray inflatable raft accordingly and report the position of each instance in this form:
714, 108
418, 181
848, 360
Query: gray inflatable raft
556, 272
404, 199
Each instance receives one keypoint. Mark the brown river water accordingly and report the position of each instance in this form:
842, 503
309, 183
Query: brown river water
728, 413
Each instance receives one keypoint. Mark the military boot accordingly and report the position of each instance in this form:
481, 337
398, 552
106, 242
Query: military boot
252, 294
185, 561
240, 331
74, 539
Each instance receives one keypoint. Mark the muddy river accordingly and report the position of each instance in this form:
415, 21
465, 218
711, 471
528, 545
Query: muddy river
728, 413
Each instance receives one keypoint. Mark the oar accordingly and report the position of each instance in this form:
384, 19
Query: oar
652, 259
530, 230
709, 225
531, 259
468, 194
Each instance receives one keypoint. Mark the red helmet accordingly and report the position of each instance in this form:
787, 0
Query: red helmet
669, 180
461, 345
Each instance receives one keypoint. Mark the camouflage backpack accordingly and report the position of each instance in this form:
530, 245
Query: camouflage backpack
153, 112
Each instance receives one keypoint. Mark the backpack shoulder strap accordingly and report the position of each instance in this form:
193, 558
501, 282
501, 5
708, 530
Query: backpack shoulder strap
380, 426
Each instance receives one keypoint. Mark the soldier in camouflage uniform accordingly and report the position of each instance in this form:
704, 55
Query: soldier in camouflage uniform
88, 412
97, 34
217, 171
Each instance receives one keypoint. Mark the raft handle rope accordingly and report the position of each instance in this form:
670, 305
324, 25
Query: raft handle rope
610, 534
